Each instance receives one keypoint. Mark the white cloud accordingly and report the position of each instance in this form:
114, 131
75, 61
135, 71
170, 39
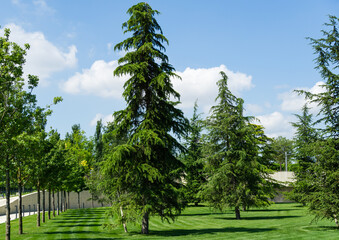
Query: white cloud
105, 119
201, 84
293, 102
98, 80
42, 7
195, 84
276, 124
43, 58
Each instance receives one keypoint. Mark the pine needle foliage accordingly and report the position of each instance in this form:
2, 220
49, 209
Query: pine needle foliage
236, 176
146, 167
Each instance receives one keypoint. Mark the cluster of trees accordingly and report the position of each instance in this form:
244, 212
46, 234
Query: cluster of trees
152, 160
30, 156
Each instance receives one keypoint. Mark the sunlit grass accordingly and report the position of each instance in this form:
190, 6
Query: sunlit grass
280, 221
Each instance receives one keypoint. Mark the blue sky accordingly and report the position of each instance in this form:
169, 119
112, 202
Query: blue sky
261, 45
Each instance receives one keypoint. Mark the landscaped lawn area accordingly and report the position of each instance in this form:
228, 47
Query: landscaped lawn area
279, 221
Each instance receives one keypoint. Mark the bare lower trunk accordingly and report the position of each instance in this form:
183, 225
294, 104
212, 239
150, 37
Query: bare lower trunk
20, 205
61, 201
237, 213
58, 205
53, 203
65, 201
93, 203
78, 200
336, 220
8, 204
38, 206
144, 224
123, 222
49, 203
43, 205
69, 202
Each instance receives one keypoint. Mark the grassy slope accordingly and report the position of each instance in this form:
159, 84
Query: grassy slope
280, 221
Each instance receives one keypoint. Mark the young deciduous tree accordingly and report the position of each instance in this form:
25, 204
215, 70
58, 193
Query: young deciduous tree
147, 165
236, 176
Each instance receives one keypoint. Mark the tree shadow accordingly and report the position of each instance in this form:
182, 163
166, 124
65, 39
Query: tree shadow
199, 214
272, 210
321, 228
258, 218
80, 225
184, 232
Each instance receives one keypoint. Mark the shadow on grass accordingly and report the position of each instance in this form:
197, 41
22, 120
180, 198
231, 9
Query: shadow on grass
184, 232
273, 210
79, 225
199, 214
258, 218
321, 228
92, 238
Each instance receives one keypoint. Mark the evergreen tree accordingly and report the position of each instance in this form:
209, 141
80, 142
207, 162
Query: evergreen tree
322, 190
236, 177
305, 135
194, 174
146, 166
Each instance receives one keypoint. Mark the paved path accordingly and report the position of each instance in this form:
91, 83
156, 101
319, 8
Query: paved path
13, 215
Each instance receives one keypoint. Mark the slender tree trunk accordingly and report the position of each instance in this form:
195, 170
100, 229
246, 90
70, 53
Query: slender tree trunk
53, 202
20, 203
43, 205
58, 205
78, 200
8, 203
69, 201
144, 224
38, 205
336, 220
237, 213
65, 201
123, 223
49, 203
93, 203
61, 201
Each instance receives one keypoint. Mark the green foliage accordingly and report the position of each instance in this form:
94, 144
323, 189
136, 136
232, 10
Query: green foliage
145, 168
236, 176
193, 159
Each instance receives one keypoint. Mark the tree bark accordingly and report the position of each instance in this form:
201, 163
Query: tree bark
61, 201
38, 205
78, 200
8, 203
69, 201
49, 203
58, 205
43, 205
123, 222
20, 202
237, 213
53, 202
65, 201
336, 220
144, 224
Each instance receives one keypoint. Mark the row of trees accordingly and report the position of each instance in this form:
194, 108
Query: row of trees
30, 156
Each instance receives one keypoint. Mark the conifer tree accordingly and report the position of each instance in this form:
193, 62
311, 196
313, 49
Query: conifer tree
194, 174
236, 177
147, 165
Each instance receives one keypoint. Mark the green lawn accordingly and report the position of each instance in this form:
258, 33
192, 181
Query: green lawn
280, 221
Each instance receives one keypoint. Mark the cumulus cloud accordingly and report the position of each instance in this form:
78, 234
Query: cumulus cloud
276, 124
201, 84
105, 119
43, 58
195, 84
293, 102
97, 80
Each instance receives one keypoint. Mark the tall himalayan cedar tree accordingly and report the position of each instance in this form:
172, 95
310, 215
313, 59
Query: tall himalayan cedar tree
146, 166
236, 176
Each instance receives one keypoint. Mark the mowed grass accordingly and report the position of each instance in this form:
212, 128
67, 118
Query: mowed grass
279, 221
